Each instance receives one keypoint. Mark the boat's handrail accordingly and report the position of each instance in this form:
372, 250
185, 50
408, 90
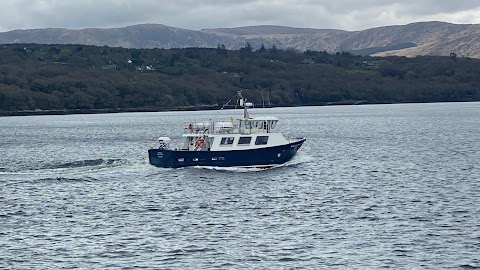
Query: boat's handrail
239, 126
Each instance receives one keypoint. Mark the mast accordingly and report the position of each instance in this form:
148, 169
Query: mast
243, 102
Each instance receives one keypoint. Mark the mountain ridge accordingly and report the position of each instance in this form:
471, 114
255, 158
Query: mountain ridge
418, 38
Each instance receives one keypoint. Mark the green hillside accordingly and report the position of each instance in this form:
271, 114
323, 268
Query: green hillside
71, 77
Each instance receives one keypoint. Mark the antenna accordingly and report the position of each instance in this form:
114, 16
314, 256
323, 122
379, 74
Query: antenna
225, 104
243, 103
240, 97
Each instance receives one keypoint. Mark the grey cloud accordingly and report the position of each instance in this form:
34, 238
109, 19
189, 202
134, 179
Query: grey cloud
194, 14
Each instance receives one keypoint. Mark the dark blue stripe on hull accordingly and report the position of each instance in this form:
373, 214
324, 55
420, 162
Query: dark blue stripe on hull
264, 156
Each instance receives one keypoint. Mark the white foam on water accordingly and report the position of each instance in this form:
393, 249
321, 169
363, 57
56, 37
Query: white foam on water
80, 169
298, 159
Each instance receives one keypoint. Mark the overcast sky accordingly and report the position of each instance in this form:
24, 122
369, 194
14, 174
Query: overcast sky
199, 14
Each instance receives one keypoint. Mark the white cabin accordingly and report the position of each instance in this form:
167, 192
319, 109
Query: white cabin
239, 134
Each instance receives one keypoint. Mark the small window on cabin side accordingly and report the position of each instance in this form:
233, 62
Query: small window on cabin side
261, 140
244, 140
226, 141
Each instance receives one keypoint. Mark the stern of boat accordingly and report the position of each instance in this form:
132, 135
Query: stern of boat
162, 158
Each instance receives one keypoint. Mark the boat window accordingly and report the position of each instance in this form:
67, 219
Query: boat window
226, 141
261, 140
244, 140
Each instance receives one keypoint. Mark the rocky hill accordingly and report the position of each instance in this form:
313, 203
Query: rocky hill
137, 36
423, 38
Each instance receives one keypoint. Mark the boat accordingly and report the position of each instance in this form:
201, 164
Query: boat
247, 142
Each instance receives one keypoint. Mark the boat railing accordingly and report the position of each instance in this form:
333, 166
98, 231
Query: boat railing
199, 128
292, 140
226, 127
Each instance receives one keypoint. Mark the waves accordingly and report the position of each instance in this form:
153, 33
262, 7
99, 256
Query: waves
82, 163
297, 160
77, 170
91, 163
114, 168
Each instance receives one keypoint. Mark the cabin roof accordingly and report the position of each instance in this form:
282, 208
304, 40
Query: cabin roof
263, 118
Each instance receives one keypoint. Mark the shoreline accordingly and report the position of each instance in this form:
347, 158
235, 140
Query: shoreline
195, 108
103, 111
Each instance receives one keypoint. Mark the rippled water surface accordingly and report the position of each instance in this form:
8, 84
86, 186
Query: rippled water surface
374, 186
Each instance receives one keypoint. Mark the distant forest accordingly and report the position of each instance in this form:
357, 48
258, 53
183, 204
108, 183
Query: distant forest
78, 77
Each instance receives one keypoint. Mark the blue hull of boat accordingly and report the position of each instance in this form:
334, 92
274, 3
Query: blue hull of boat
168, 158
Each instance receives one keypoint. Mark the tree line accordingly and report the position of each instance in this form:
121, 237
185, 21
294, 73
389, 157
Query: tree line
71, 77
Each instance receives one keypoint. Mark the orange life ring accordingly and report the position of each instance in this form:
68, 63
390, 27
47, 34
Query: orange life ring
200, 142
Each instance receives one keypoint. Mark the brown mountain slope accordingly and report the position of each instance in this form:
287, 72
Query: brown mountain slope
423, 38
137, 36
464, 40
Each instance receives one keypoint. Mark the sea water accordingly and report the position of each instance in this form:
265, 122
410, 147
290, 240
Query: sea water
374, 186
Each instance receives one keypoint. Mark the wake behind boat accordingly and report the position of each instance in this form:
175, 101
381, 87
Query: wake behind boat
244, 142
